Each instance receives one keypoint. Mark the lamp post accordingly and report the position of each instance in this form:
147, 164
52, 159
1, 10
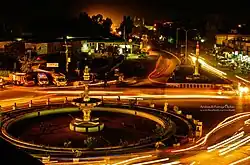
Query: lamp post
186, 41
186, 49
177, 38
67, 52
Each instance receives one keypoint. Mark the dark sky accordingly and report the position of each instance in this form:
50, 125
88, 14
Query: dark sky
152, 10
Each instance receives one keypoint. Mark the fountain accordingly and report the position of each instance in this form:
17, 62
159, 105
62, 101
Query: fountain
85, 104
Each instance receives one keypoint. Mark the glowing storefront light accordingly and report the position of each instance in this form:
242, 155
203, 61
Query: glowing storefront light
84, 47
120, 51
125, 46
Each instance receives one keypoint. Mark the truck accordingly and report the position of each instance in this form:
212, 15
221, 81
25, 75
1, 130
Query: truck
29, 80
59, 79
2, 83
42, 79
17, 78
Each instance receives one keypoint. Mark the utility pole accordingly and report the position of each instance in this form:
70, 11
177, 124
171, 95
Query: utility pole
186, 47
177, 38
67, 54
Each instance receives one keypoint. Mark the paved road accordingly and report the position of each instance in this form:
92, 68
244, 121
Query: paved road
228, 73
189, 101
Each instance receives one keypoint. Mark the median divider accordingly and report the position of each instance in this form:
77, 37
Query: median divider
196, 85
190, 85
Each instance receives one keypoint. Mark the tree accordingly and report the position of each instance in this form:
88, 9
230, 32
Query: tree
26, 63
127, 26
97, 19
107, 23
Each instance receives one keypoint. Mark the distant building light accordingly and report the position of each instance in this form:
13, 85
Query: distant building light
120, 51
84, 47
239, 25
19, 39
69, 37
120, 33
154, 29
202, 40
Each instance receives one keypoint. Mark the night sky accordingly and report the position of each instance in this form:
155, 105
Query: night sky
152, 10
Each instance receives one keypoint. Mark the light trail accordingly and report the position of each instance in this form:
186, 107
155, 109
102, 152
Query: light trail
225, 120
79, 92
172, 163
153, 161
184, 96
219, 126
193, 163
163, 71
209, 67
240, 161
172, 55
225, 142
132, 159
242, 79
122, 97
234, 146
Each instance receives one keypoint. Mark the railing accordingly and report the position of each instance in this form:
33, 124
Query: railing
195, 85
64, 102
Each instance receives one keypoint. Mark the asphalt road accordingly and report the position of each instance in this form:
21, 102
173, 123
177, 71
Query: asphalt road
191, 101
204, 104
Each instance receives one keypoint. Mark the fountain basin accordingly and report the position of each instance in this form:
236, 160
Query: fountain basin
78, 125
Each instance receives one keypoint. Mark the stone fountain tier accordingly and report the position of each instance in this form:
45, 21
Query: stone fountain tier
78, 125
91, 103
86, 125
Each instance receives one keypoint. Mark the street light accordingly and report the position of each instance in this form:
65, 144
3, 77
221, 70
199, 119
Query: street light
186, 47
176, 40
186, 50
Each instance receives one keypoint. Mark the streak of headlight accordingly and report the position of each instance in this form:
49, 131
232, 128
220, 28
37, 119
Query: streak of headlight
234, 146
78, 92
184, 96
242, 79
143, 95
240, 161
153, 161
225, 142
193, 163
172, 163
219, 126
208, 67
132, 159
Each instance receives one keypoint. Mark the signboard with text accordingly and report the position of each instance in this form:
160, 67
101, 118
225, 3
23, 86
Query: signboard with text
52, 65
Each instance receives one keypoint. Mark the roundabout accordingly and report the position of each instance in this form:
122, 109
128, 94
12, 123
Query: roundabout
93, 128
43, 131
